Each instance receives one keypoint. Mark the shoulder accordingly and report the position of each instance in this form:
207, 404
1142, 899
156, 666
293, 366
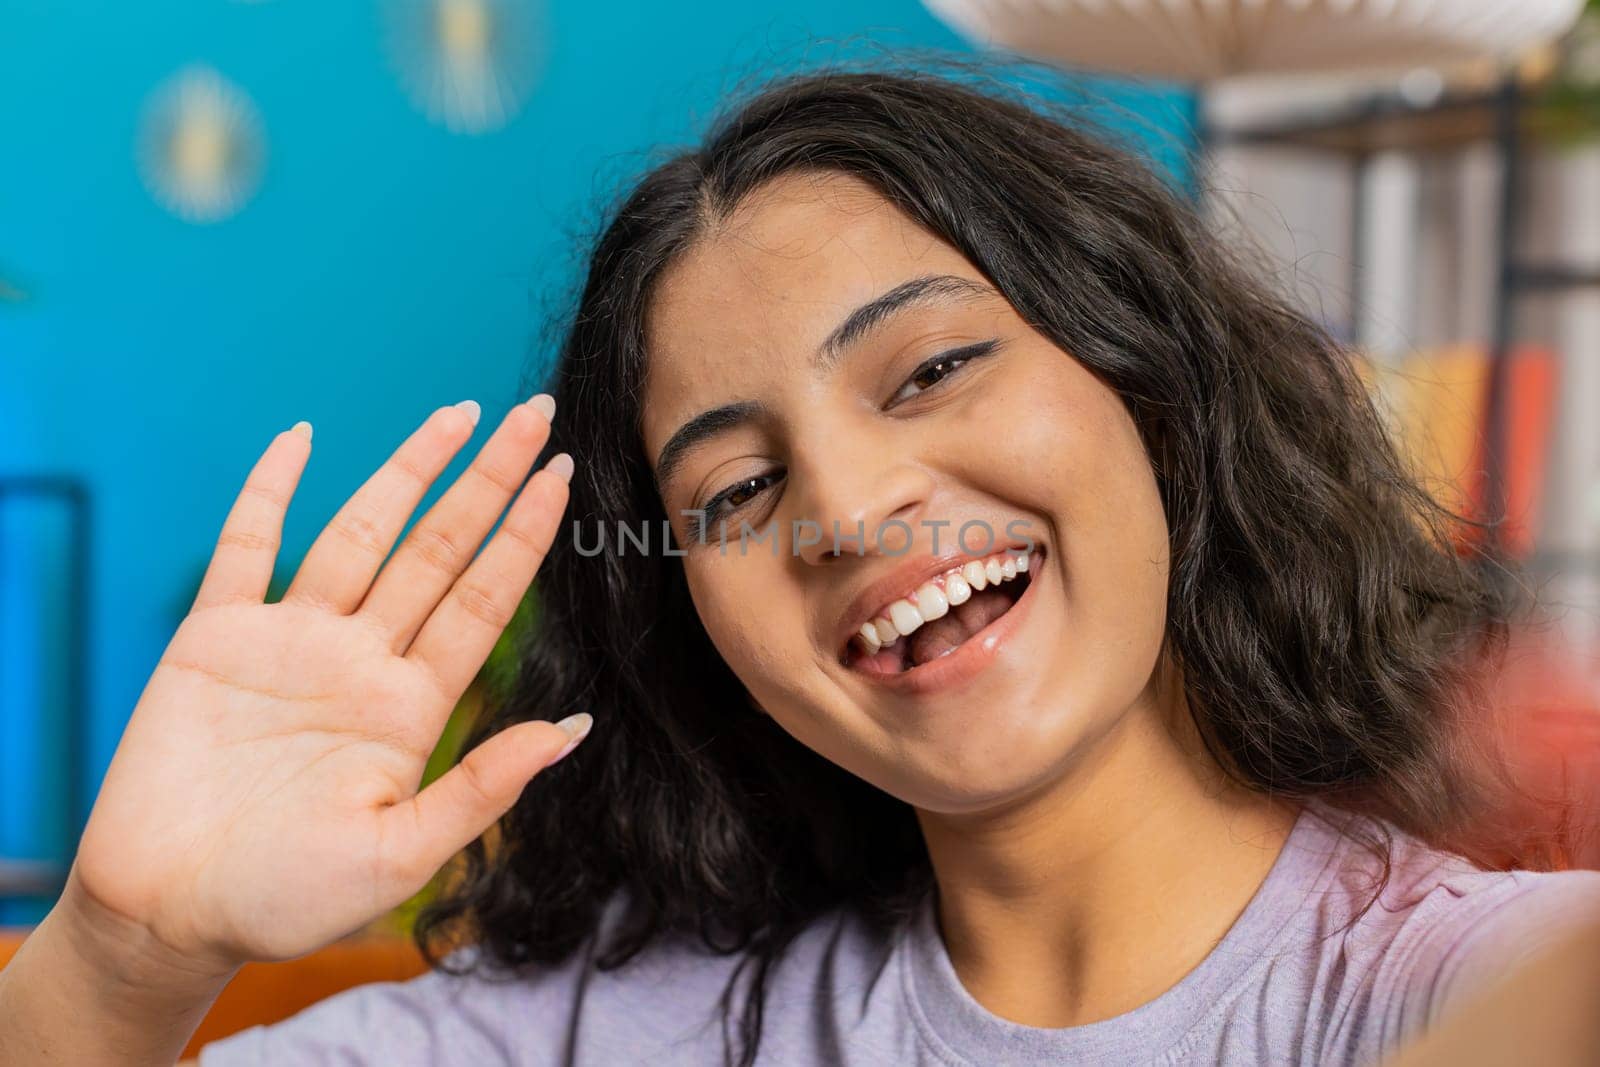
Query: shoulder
1473, 928
1412, 931
663, 1004
1444, 922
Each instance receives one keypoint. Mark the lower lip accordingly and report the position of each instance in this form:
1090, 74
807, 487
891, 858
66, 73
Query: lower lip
970, 658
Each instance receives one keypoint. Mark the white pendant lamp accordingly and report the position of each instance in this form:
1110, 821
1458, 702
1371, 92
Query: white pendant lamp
1199, 40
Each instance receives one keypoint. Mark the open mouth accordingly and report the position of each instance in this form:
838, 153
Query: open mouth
942, 615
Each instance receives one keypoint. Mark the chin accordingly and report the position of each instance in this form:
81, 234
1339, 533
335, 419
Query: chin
988, 765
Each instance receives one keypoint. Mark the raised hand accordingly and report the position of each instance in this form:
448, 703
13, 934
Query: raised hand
264, 798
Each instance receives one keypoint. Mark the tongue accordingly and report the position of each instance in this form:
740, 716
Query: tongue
934, 639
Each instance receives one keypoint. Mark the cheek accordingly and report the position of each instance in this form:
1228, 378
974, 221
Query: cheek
1073, 453
1068, 446
1116, 537
749, 617
1111, 500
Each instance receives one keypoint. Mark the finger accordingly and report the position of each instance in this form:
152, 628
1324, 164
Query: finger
241, 566
339, 568
462, 630
443, 542
466, 800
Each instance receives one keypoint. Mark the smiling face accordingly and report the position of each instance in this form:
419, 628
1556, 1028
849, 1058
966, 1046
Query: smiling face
774, 400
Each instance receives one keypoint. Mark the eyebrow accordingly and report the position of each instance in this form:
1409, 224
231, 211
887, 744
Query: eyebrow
857, 325
698, 430
869, 316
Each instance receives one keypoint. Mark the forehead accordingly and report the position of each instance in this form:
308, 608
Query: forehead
754, 298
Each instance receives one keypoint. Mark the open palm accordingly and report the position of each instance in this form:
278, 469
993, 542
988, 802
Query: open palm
264, 798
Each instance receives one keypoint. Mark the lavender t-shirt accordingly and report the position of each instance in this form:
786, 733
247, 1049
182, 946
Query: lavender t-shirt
1287, 984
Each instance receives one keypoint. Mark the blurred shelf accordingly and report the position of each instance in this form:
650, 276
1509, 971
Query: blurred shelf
30, 878
1391, 123
1543, 276
1546, 561
1504, 118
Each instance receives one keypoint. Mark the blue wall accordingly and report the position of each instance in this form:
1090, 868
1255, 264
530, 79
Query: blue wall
385, 266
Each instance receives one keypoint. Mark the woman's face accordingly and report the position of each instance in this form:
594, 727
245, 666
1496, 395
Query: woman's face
919, 430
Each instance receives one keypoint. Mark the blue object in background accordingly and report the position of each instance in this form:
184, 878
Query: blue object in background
383, 267
44, 530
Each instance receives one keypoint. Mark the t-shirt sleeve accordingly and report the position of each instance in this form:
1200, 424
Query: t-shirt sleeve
1445, 935
1544, 911
437, 1018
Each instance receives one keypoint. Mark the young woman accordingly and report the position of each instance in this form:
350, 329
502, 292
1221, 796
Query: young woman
1050, 662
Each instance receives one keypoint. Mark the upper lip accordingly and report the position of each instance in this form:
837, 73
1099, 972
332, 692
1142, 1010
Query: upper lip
906, 579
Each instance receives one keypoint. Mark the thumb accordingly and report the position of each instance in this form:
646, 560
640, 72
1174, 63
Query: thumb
455, 810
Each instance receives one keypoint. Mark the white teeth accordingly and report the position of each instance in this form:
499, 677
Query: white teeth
931, 602
934, 599
905, 617
869, 636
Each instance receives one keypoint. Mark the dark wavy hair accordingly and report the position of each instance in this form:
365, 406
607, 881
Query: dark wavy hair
1317, 609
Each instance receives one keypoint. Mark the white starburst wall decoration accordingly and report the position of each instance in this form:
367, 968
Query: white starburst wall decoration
201, 145
468, 64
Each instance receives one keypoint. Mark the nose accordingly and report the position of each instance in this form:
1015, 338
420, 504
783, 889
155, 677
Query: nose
856, 500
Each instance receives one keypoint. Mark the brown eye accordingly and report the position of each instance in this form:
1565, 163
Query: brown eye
739, 493
931, 373
727, 501
743, 491
937, 368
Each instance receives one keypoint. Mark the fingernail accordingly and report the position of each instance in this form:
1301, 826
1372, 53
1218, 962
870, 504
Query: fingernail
577, 728
545, 404
472, 410
303, 428
561, 466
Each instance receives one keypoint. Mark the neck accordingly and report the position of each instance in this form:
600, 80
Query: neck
1098, 893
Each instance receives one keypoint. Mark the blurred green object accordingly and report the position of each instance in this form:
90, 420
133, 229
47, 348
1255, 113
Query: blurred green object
490, 688
10, 293
1570, 105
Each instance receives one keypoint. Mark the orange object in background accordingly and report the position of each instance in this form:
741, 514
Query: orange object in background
1546, 700
1545, 696
1439, 401
271, 992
